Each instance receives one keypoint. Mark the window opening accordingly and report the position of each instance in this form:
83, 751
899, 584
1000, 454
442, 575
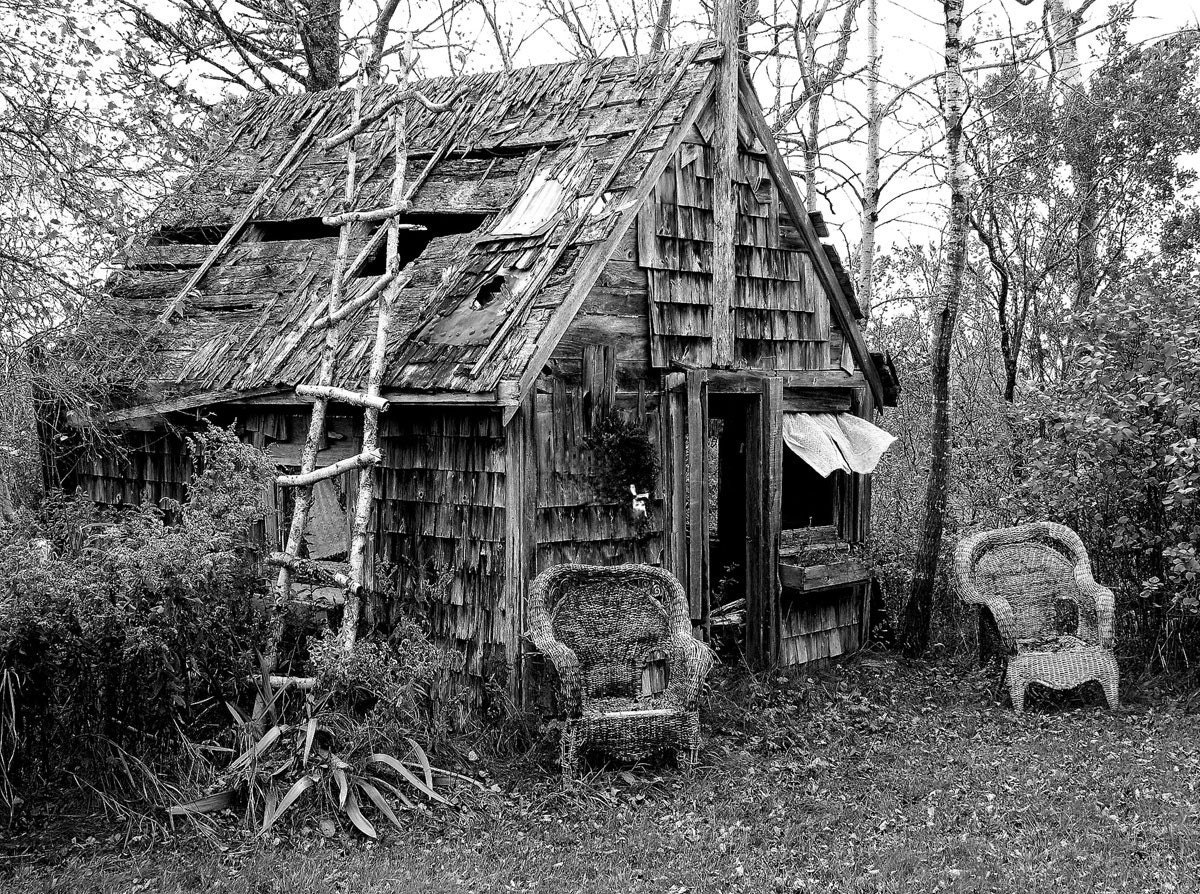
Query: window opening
300, 229
808, 499
414, 242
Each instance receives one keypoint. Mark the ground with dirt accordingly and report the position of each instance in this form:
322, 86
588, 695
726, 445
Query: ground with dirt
873, 775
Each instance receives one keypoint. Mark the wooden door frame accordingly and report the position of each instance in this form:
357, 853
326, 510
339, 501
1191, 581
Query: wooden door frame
685, 428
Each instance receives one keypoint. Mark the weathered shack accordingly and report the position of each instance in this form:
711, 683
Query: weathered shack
609, 247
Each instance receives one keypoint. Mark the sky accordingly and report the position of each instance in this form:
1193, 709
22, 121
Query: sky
911, 34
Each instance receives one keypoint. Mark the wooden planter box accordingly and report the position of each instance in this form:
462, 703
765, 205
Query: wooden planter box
807, 579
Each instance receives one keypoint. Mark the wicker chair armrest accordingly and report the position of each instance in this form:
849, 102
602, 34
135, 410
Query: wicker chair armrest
1105, 609
1002, 613
570, 678
691, 660
541, 634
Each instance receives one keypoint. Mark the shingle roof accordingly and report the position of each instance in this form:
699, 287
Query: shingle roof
524, 145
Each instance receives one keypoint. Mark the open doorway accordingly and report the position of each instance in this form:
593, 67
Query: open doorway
729, 500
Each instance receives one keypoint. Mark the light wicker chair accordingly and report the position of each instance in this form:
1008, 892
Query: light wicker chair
1025, 576
600, 627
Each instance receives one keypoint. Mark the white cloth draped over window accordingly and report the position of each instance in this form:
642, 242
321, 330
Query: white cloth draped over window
832, 441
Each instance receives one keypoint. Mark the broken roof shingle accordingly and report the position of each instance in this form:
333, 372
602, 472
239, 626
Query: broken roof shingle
255, 321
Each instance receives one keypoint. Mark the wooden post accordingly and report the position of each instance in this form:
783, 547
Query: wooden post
520, 540
724, 200
697, 479
756, 573
772, 478
674, 476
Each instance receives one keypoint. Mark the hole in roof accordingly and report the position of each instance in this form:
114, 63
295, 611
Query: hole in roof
188, 236
298, 230
488, 291
414, 242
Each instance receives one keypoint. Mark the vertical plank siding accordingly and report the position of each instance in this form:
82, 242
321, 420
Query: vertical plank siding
572, 522
780, 314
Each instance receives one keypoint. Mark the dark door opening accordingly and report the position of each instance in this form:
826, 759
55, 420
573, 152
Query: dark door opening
728, 502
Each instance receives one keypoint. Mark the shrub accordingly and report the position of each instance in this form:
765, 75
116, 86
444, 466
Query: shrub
623, 456
119, 630
1115, 456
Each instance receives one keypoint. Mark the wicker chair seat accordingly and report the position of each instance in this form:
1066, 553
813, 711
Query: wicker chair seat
1063, 642
600, 627
617, 708
1025, 577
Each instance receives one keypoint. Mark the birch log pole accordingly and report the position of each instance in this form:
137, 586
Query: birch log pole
368, 477
303, 494
870, 207
918, 611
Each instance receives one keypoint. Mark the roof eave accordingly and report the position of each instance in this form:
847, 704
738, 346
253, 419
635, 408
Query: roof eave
800, 217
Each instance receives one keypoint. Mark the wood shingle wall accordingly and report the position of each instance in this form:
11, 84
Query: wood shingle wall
144, 467
780, 313
440, 521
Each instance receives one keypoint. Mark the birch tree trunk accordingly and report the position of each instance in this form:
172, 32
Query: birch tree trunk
870, 208
919, 610
812, 133
1063, 24
817, 78
1062, 33
8, 514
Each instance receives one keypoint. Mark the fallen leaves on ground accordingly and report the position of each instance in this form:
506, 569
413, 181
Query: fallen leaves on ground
873, 775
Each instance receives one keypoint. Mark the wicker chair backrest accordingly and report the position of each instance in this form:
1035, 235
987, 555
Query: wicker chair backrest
612, 619
1036, 575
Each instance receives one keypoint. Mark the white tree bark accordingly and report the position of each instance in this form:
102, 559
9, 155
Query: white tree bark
368, 477
870, 204
316, 421
918, 611
1064, 25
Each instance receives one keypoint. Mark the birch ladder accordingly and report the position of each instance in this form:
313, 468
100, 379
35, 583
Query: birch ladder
325, 390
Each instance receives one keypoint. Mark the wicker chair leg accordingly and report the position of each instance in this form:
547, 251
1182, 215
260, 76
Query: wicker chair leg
1016, 689
1001, 676
1110, 693
685, 759
689, 743
569, 752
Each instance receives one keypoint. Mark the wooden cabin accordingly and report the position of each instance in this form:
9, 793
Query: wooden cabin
672, 323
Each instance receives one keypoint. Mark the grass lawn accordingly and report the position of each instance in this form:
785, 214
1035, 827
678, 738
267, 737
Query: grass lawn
874, 775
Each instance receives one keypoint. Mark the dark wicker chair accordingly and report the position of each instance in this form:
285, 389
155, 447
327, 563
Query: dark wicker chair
1055, 621
600, 627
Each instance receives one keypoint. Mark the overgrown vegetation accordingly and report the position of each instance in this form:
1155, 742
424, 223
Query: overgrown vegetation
874, 776
623, 456
121, 630
1114, 454
129, 661
326, 762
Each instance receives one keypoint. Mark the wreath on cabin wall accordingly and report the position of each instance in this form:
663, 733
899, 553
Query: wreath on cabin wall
624, 460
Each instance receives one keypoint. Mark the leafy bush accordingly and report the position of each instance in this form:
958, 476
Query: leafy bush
1116, 456
623, 455
120, 630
